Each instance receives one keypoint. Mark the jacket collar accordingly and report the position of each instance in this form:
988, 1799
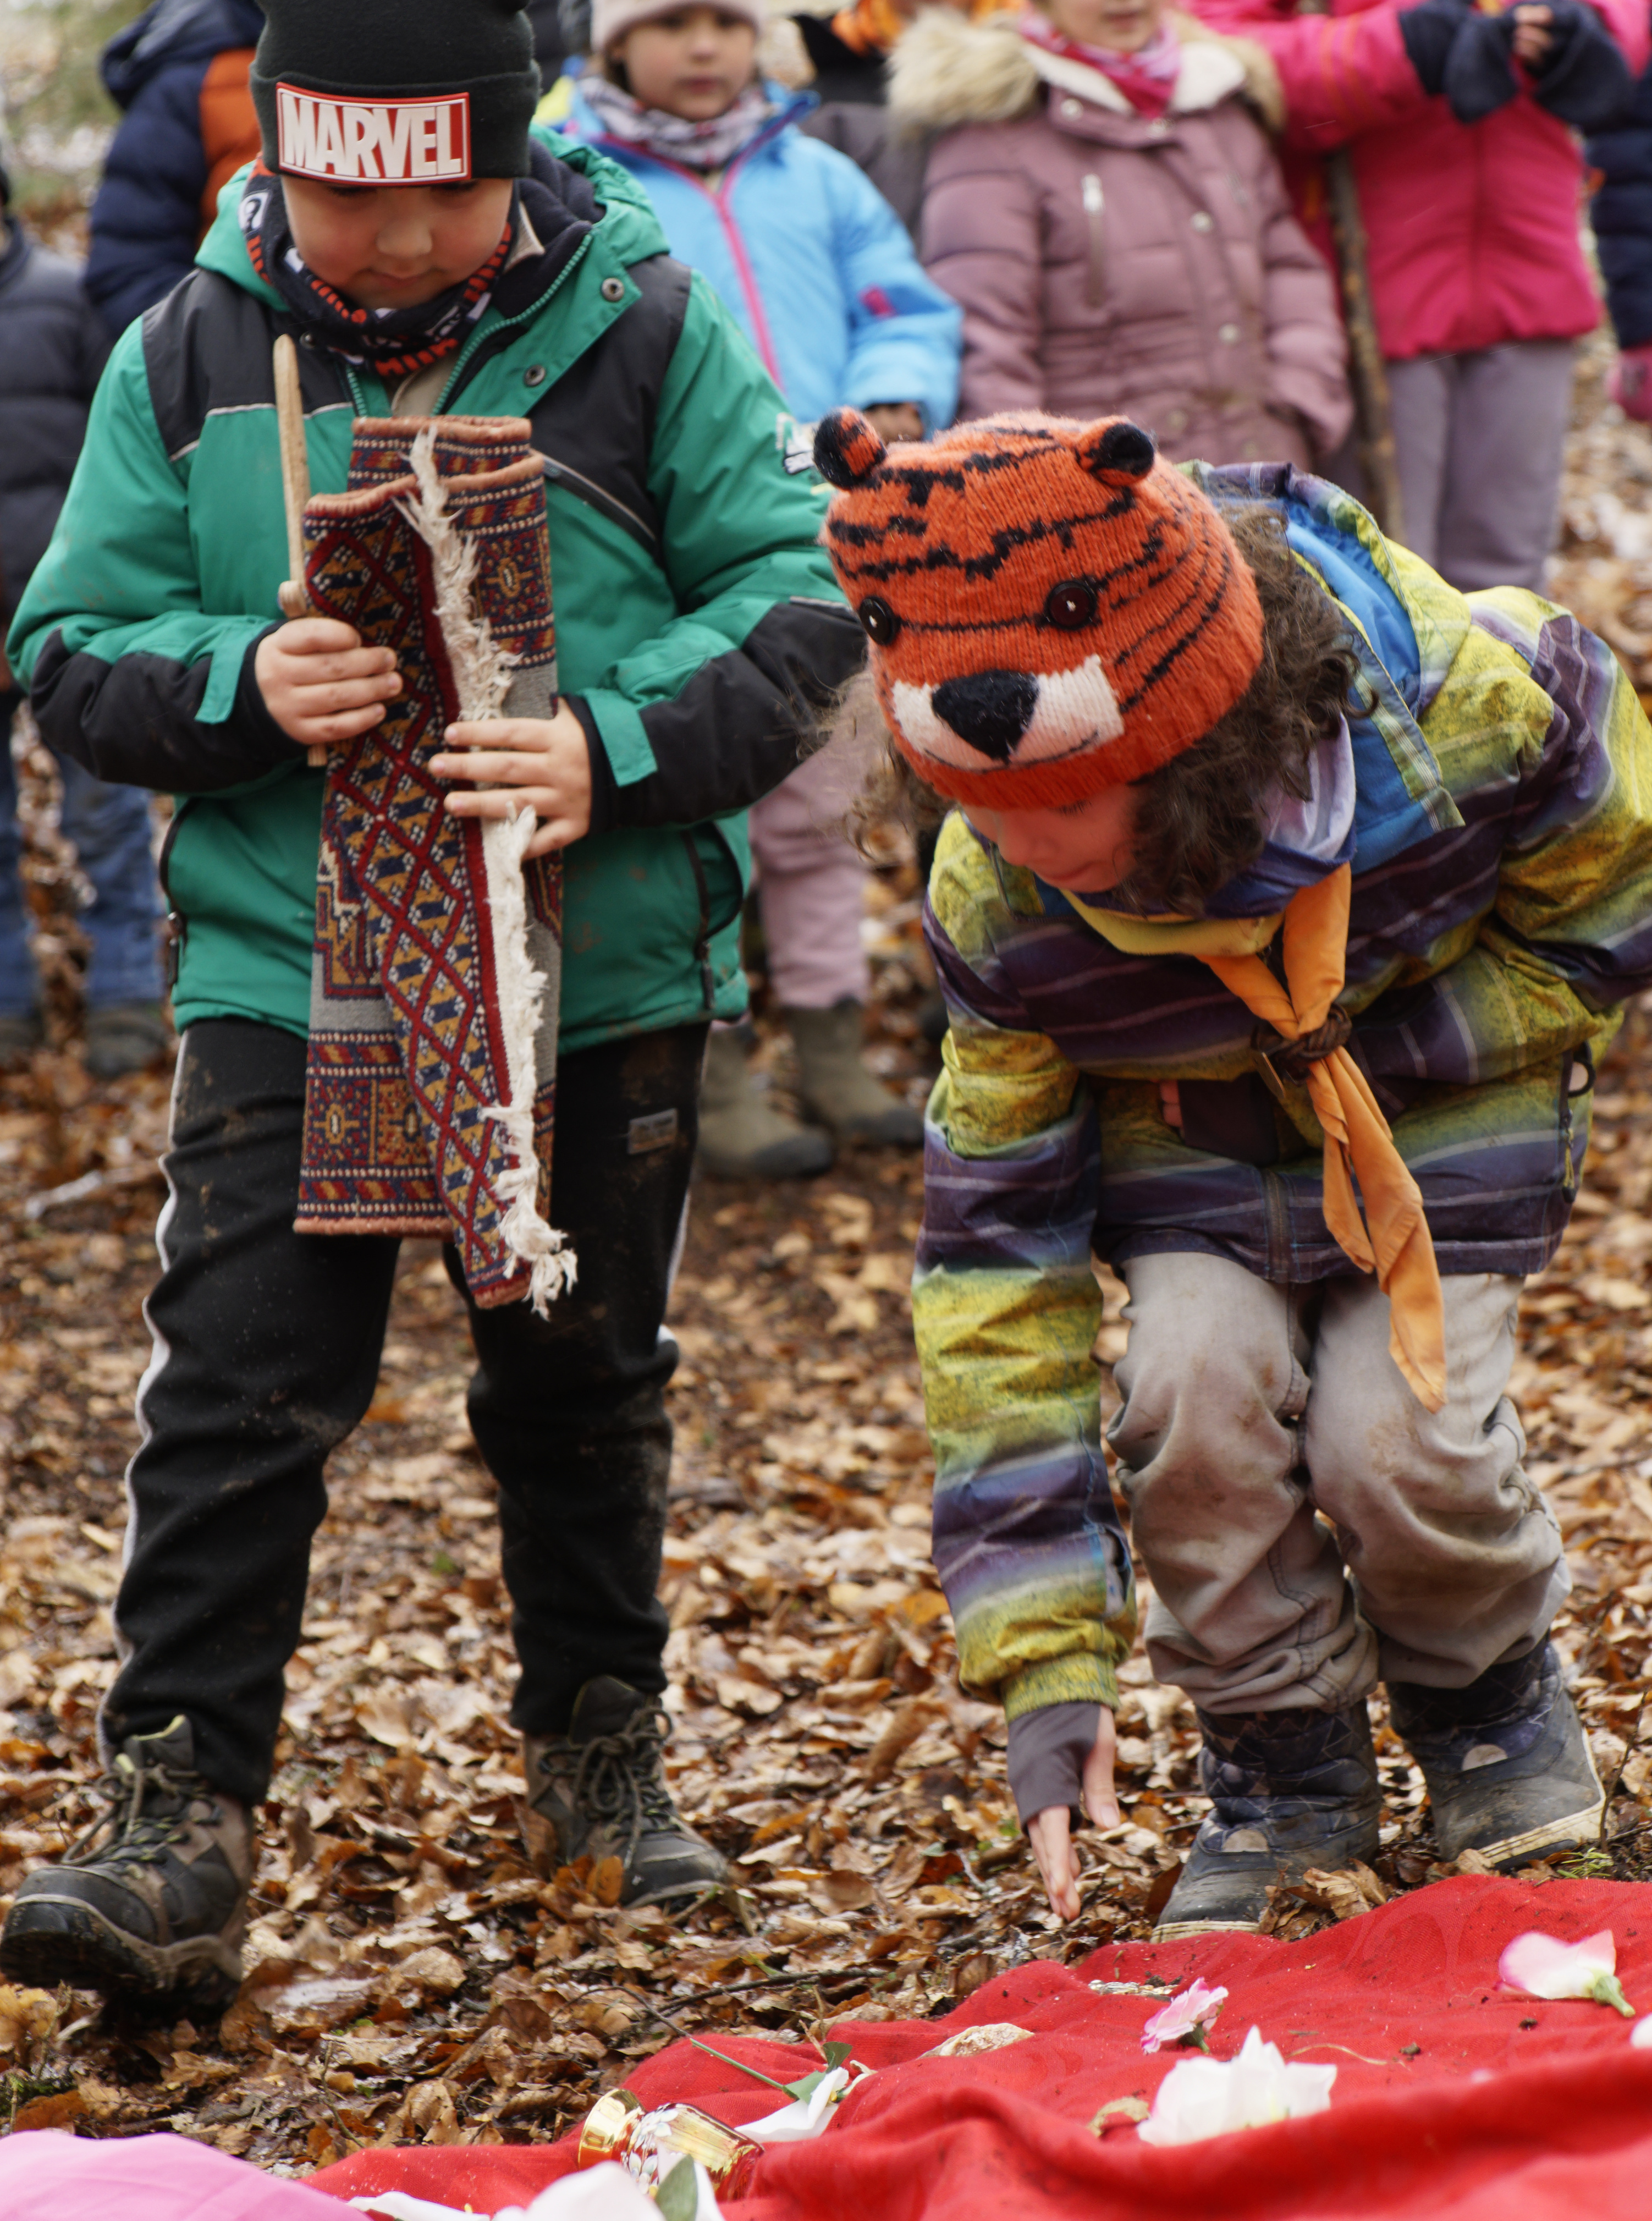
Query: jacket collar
789, 108
1404, 628
1209, 75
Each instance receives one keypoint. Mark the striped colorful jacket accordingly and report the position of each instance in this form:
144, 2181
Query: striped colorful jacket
1502, 910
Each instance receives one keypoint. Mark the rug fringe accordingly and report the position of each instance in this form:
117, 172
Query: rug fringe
481, 671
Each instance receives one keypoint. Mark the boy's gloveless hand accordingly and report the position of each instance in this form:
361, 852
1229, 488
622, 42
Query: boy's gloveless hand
543, 762
320, 684
1050, 1835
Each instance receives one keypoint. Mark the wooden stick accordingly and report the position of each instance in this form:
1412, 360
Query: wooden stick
295, 486
1367, 373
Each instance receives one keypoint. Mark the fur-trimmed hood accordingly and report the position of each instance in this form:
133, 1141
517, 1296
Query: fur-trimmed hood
946, 70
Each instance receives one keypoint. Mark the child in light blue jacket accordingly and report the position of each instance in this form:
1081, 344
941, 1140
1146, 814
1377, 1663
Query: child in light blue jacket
821, 274
792, 234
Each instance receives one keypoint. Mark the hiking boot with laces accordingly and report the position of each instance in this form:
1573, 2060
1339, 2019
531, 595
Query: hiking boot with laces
150, 1904
1507, 1765
599, 1792
1288, 1791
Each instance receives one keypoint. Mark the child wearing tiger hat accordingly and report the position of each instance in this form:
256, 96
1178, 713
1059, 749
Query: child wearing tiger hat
1289, 896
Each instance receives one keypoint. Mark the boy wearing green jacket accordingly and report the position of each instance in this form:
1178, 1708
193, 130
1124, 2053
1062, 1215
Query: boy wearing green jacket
430, 255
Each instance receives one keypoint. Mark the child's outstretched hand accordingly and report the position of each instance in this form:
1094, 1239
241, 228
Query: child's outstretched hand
320, 684
543, 762
1051, 1833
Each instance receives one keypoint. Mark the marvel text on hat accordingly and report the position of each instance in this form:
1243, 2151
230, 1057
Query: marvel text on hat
381, 141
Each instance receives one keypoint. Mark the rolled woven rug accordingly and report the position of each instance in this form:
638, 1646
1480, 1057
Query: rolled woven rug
431, 1088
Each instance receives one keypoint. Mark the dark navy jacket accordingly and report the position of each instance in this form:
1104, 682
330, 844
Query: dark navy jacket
1623, 218
52, 348
147, 219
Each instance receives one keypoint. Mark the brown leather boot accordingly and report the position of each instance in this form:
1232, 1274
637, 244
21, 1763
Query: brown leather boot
150, 1904
599, 1792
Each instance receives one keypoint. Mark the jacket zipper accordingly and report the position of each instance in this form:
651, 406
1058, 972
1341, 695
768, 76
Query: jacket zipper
175, 922
703, 938
1279, 1226
1093, 205
721, 202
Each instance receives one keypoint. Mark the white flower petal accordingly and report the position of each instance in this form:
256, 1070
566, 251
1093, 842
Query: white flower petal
1543, 1967
1205, 2097
804, 2117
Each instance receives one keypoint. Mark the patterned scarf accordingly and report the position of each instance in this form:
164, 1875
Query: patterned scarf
709, 146
1147, 78
395, 342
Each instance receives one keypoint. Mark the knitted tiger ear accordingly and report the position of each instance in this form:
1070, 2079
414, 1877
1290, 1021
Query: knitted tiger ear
847, 449
1117, 449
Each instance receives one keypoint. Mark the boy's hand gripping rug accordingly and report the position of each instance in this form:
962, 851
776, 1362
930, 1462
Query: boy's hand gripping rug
430, 1091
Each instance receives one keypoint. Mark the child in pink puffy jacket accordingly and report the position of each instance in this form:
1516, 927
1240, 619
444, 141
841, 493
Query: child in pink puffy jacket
1104, 206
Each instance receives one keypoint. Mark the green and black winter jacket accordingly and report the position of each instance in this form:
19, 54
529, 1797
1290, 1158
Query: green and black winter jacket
698, 625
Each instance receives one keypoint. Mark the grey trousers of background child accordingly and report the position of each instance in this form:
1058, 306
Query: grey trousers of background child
1251, 1410
1479, 440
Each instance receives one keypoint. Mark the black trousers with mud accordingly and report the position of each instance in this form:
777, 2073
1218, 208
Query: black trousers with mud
266, 1350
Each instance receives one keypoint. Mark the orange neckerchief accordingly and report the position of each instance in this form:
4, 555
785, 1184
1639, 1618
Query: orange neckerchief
1399, 1247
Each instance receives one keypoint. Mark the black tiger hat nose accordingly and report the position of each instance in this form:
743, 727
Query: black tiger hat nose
990, 710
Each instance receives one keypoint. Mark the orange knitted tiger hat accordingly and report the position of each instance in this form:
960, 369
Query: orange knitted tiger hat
1052, 610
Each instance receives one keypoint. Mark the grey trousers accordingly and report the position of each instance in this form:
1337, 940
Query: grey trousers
1479, 440
1269, 1450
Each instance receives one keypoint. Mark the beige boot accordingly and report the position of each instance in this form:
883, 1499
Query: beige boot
837, 1088
741, 1135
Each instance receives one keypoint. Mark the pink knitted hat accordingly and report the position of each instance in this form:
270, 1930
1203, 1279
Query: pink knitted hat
611, 19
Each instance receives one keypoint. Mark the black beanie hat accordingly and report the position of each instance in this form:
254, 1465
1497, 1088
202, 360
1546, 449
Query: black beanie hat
396, 91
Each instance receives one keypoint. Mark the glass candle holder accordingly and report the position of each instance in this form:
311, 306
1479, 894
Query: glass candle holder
648, 2145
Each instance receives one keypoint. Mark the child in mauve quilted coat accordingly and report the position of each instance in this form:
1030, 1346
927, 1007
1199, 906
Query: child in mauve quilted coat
1289, 896
695, 618
1104, 204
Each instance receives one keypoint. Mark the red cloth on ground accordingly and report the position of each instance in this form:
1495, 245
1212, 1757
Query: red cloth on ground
1445, 2103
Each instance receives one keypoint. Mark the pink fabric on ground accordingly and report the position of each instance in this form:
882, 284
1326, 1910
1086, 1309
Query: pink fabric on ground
810, 885
46, 2175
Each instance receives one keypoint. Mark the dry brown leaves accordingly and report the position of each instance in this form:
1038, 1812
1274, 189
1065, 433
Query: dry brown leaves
410, 1977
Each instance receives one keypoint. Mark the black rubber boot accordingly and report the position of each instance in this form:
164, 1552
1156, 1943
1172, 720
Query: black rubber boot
150, 1905
599, 1792
1507, 1765
1288, 1791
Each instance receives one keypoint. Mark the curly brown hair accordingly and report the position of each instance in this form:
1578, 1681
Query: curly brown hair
1203, 817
